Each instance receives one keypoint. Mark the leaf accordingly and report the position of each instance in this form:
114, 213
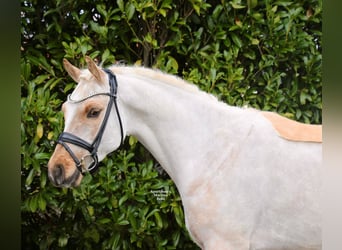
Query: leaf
101, 30
175, 238
123, 222
123, 199
196, 7
158, 220
149, 39
106, 54
138, 62
33, 203
275, 8
104, 220
40, 79
26, 70
132, 221
255, 41
172, 65
217, 11
30, 177
236, 40
132, 141
252, 3
50, 135
237, 6
121, 5
152, 212
43, 179
90, 210
303, 97
115, 240
42, 156
100, 199
250, 54
62, 240
114, 202
102, 9
41, 203
39, 130
84, 48
178, 215
163, 12
130, 10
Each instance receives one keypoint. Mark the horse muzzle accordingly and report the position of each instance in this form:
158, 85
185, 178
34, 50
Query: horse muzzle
61, 169
59, 179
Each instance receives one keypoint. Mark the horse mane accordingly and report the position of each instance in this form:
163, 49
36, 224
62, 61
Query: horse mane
156, 75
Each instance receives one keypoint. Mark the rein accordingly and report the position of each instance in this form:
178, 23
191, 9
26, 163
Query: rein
92, 148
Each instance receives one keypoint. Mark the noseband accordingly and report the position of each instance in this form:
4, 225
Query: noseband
66, 137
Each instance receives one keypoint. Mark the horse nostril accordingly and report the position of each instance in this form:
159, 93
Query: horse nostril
58, 174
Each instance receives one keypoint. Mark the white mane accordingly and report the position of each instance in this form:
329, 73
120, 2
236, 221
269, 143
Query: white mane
160, 77
156, 75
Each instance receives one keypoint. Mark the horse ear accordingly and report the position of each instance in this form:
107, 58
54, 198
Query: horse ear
95, 70
73, 71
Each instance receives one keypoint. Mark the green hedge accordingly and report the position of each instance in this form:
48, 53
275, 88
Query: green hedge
261, 53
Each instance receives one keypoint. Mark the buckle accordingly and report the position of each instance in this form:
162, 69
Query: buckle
88, 163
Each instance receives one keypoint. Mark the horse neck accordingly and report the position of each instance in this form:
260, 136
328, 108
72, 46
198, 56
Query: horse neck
177, 126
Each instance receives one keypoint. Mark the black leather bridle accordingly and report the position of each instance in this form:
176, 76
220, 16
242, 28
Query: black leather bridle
92, 148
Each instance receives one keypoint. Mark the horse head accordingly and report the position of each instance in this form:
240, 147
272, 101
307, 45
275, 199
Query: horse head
87, 136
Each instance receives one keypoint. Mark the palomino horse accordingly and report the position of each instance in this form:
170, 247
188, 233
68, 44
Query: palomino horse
248, 179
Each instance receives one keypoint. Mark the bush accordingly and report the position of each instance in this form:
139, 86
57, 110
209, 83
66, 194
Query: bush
261, 53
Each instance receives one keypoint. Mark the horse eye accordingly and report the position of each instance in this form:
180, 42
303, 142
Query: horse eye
94, 113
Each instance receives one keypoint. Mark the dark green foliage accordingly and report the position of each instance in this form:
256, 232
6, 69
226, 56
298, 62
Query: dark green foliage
261, 53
